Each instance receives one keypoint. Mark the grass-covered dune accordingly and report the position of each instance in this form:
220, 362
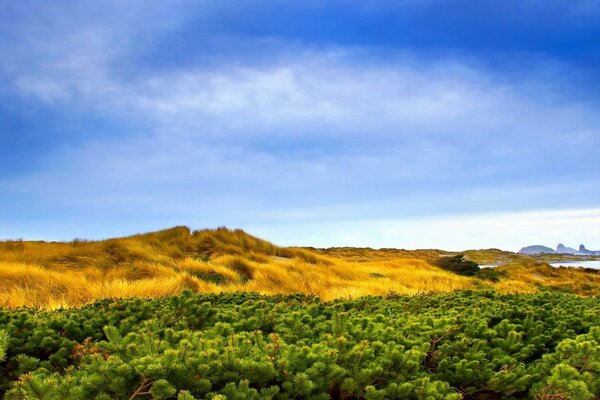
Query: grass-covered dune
470, 345
59, 274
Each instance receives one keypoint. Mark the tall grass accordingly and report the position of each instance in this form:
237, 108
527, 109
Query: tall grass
52, 275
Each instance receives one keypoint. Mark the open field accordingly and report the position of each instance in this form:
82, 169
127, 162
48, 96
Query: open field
53, 275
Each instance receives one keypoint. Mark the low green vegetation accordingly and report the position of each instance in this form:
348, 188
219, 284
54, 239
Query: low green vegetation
472, 345
3, 344
491, 274
458, 264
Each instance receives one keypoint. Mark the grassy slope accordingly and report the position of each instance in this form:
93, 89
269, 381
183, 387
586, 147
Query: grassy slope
157, 264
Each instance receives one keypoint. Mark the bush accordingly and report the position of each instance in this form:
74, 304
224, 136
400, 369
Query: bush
3, 344
459, 265
212, 277
490, 274
474, 345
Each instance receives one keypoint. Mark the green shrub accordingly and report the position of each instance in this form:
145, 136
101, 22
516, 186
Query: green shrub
3, 344
490, 274
213, 277
474, 345
458, 264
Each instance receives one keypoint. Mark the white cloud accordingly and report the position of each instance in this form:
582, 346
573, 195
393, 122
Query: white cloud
301, 133
362, 125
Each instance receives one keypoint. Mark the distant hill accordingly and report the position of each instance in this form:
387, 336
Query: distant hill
537, 249
585, 252
560, 249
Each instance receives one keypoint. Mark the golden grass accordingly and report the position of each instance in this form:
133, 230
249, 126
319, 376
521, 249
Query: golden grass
52, 275
533, 277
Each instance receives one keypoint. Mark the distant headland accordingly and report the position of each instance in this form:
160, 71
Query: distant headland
560, 249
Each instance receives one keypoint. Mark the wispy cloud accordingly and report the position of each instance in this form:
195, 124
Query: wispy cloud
404, 122
306, 130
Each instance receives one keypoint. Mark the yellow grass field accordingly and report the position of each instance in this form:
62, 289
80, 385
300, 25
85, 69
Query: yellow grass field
58, 274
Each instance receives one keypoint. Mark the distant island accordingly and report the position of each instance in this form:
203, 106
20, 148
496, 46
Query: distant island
560, 249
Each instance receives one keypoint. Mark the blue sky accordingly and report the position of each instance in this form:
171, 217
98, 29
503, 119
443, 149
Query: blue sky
449, 124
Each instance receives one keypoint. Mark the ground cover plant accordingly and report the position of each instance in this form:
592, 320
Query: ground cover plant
472, 345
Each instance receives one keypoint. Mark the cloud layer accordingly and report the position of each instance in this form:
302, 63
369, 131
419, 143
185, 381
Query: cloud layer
285, 134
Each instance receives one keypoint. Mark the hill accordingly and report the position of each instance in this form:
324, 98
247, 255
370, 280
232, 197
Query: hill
561, 248
583, 251
157, 264
561, 251
537, 249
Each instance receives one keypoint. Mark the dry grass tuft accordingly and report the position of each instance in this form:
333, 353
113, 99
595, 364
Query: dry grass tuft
53, 275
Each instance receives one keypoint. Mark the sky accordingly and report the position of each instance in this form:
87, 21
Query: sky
408, 124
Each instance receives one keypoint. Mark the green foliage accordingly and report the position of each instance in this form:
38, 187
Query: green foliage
3, 344
490, 274
202, 258
162, 389
208, 276
459, 265
185, 395
472, 345
564, 383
